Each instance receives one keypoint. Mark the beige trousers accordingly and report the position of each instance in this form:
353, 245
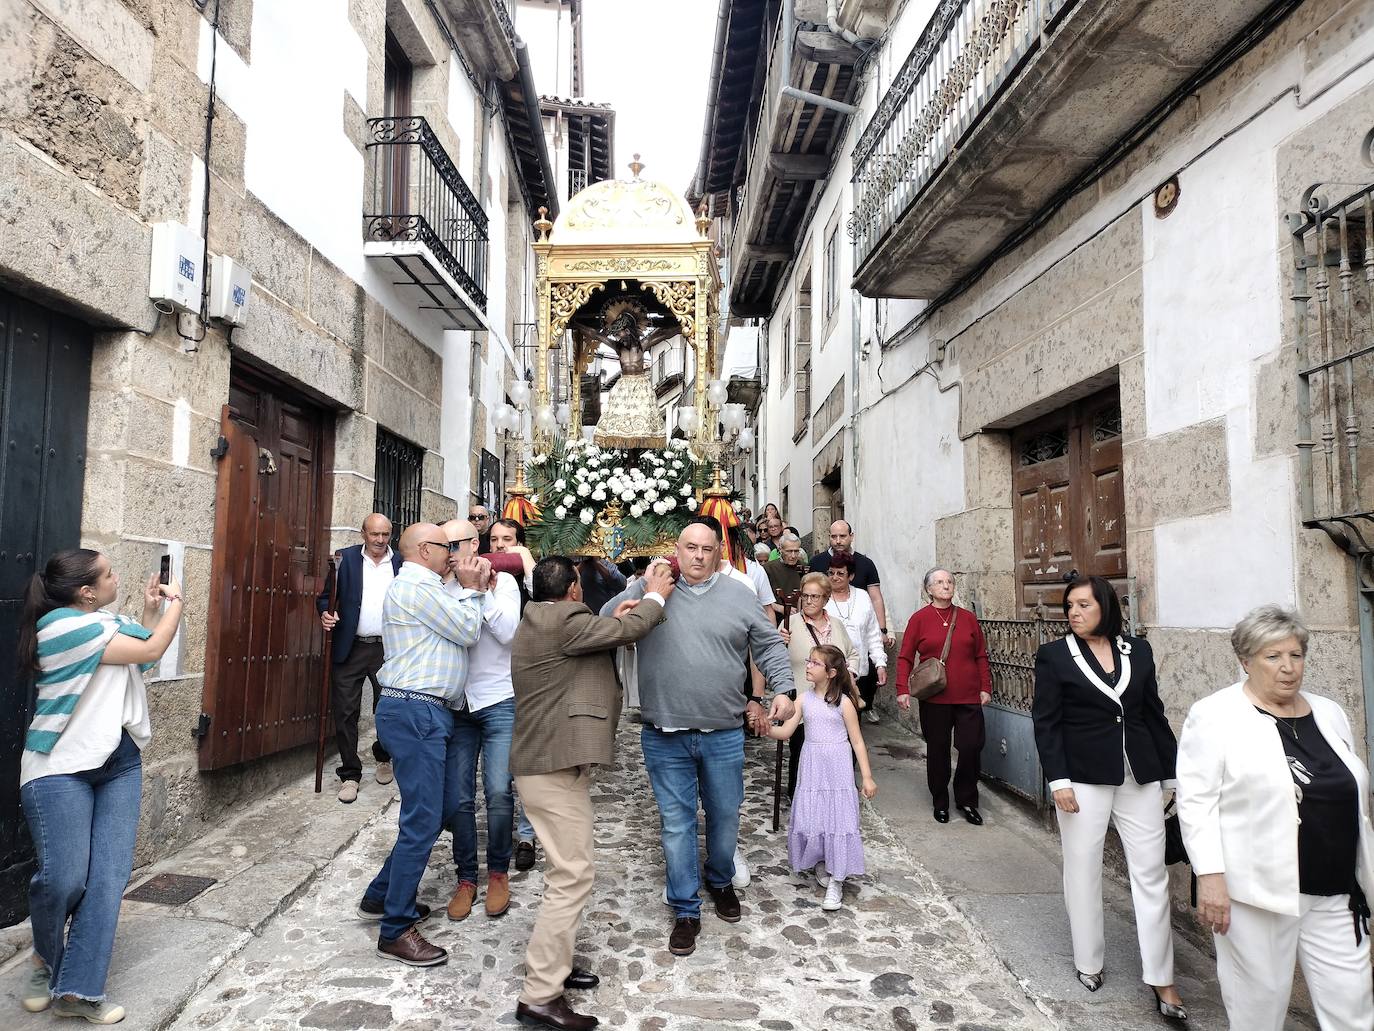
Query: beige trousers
559, 804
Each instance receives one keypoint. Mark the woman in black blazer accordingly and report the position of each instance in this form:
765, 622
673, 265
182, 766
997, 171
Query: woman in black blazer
1108, 753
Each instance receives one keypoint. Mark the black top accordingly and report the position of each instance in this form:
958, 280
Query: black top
1083, 734
601, 582
865, 572
1328, 807
349, 601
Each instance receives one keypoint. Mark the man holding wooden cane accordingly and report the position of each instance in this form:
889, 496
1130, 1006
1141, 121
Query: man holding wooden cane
364, 573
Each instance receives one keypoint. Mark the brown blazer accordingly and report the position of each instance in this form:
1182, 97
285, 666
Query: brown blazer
567, 691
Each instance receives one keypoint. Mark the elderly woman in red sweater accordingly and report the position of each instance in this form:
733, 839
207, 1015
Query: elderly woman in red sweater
957, 711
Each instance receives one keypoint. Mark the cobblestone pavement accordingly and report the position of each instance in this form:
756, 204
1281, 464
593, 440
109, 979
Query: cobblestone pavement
898, 955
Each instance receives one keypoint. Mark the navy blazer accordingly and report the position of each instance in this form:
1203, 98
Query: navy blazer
1083, 731
350, 600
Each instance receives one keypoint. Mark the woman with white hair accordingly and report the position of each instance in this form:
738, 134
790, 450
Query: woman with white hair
1273, 802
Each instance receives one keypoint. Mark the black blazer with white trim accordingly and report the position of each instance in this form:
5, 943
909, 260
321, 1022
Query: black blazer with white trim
1085, 725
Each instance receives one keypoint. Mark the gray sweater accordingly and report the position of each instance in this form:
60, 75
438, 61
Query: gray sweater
693, 668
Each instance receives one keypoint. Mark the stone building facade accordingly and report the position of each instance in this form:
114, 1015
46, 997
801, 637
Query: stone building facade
361, 378
1056, 280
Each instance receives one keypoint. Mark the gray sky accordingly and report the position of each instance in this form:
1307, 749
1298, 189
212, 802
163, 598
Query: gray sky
650, 60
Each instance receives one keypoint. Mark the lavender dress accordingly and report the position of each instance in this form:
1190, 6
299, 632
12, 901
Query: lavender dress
825, 808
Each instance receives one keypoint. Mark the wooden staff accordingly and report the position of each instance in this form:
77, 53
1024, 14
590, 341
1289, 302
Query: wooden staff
788, 600
328, 667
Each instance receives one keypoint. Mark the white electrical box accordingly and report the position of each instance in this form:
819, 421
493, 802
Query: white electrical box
176, 273
230, 287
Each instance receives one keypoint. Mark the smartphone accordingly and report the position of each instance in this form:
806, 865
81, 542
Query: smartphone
164, 575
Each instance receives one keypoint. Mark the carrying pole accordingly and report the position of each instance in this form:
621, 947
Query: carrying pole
788, 600
327, 666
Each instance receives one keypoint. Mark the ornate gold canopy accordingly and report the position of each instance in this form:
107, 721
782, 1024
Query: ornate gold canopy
625, 230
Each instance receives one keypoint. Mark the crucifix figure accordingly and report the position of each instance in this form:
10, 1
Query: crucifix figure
632, 418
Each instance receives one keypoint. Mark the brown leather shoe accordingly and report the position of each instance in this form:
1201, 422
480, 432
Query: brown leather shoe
463, 897
498, 894
683, 940
412, 949
556, 1014
727, 903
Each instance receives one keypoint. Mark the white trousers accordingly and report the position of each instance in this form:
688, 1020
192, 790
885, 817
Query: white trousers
1137, 810
1255, 965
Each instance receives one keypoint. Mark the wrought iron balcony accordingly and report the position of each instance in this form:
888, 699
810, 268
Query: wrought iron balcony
1333, 291
1003, 104
425, 219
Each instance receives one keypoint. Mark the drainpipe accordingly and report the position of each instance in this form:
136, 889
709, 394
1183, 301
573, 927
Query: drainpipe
855, 328
789, 27
832, 20
717, 59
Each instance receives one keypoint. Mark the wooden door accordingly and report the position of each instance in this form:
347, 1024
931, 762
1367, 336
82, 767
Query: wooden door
1068, 505
263, 659
45, 375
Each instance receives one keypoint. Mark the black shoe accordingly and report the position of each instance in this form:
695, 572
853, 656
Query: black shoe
582, 980
524, 855
369, 910
683, 940
1168, 1009
942, 816
556, 1014
727, 903
971, 814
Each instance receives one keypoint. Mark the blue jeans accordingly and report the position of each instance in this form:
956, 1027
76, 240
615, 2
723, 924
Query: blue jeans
424, 757
486, 732
682, 766
83, 827
524, 830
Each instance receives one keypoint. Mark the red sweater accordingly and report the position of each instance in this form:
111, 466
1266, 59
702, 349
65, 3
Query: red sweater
966, 670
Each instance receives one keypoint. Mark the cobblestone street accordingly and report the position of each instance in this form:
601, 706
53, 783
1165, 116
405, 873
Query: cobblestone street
899, 955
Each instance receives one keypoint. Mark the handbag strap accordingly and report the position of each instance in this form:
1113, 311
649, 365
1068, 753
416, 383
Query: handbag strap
949, 634
814, 636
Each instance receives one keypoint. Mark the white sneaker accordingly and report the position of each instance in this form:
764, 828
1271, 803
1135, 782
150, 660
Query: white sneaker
91, 1012
384, 773
833, 895
348, 792
822, 878
37, 996
665, 896
741, 878
871, 715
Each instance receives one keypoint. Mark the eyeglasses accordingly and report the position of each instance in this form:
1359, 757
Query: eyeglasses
812, 597
439, 544
478, 517
813, 662
455, 545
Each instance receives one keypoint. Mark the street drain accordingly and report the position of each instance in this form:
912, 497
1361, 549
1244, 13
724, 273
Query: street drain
170, 889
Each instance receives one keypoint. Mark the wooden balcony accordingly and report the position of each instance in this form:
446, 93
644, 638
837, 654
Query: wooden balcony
1001, 106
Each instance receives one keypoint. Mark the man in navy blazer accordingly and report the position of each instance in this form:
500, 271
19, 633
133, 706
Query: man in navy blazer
364, 574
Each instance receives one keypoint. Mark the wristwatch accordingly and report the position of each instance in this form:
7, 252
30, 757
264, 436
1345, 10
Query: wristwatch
883, 629
756, 699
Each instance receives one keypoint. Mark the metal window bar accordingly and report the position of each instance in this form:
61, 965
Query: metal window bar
803, 400
1333, 295
969, 51
418, 194
400, 471
577, 181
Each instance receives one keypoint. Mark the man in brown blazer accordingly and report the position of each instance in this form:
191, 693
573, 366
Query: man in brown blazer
567, 707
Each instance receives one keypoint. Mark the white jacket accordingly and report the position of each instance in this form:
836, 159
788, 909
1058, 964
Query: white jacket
1236, 803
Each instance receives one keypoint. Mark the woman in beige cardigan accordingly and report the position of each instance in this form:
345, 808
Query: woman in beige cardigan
807, 629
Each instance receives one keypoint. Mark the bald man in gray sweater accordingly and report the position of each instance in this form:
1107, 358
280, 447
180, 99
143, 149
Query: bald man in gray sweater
693, 673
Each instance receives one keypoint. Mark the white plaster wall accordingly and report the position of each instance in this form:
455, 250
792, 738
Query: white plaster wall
547, 31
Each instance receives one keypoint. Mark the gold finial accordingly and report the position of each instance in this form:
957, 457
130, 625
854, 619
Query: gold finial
703, 220
636, 166
543, 225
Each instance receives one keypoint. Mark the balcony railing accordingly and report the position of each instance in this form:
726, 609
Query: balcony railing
668, 365
802, 401
577, 181
419, 196
969, 50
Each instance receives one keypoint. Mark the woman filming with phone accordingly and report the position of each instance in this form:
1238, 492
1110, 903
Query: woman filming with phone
81, 775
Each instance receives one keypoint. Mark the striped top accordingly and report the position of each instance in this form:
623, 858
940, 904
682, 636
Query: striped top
83, 705
426, 633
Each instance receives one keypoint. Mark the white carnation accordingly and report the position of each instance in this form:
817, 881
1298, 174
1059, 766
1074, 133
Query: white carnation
651, 495
669, 504
587, 515
560, 484
686, 490
583, 490
560, 512
599, 494
569, 500
660, 507
627, 495
636, 510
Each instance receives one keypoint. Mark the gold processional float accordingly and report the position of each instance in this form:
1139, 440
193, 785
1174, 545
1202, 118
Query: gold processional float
626, 266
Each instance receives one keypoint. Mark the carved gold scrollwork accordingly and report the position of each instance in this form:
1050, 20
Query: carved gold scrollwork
680, 298
564, 300
621, 266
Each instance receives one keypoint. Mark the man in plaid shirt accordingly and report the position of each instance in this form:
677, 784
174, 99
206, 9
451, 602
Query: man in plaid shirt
425, 635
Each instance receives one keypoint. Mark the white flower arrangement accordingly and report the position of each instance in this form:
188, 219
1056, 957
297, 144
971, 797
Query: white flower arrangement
587, 515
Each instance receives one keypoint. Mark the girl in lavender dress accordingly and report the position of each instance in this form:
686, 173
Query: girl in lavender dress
824, 828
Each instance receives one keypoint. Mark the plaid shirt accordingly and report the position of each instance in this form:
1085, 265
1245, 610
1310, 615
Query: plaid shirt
426, 632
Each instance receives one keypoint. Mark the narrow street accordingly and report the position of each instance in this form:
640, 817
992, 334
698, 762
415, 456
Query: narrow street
899, 955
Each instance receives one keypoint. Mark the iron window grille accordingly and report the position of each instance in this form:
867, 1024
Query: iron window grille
400, 473
419, 195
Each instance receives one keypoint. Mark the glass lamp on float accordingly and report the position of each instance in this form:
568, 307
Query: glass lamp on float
510, 424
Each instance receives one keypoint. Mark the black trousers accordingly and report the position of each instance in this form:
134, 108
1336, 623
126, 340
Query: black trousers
348, 677
964, 723
868, 687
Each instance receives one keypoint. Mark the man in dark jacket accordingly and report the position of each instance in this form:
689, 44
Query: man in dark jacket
567, 706
364, 574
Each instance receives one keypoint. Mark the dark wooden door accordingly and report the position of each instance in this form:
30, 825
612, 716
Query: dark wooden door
263, 659
396, 79
45, 375
1068, 507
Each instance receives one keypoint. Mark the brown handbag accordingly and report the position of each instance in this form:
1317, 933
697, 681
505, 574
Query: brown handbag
928, 678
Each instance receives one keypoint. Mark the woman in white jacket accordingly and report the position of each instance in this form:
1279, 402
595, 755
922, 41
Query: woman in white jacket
855, 611
1274, 808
